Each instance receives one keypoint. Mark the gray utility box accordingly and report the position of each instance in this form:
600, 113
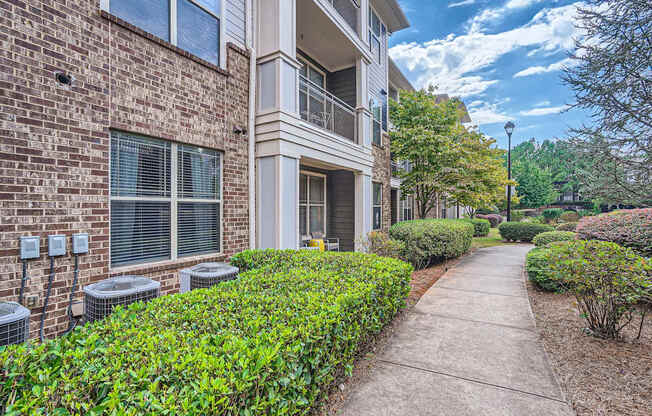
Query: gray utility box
14, 323
100, 298
206, 275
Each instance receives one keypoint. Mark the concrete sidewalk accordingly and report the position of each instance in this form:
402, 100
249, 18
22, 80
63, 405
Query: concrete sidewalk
467, 348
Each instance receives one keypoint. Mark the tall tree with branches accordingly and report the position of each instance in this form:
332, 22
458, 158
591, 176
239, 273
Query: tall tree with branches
612, 79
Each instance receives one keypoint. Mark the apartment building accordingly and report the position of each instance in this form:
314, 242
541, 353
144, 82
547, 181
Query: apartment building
175, 132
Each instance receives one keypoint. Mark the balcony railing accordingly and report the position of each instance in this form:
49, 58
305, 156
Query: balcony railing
398, 167
349, 10
325, 110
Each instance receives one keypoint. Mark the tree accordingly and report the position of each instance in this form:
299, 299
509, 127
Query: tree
612, 78
535, 186
422, 135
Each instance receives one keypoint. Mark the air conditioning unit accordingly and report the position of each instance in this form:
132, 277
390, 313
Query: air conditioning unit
100, 298
206, 275
14, 323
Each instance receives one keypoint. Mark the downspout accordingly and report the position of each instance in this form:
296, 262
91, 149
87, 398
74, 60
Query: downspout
251, 20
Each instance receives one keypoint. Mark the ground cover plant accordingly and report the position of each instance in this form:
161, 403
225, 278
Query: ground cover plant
432, 240
522, 231
629, 228
270, 342
548, 237
607, 280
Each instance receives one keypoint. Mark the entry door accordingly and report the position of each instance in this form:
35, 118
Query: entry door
394, 206
312, 204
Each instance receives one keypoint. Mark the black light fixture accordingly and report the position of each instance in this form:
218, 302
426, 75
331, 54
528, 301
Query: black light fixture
63, 78
509, 129
239, 130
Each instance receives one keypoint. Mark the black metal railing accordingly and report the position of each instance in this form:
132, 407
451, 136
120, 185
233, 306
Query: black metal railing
325, 110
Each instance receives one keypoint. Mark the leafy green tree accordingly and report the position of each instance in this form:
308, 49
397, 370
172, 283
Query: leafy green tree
535, 186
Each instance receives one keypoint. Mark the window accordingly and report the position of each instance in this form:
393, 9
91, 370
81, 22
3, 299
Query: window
312, 101
312, 73
192, 25
165, 200
312, 204
377, 205
374, 33
377, 120
405, 208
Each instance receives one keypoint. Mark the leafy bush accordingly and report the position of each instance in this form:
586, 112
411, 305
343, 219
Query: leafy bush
535, 220
522, 231
381, 244
537, 266
567, 226
517, 215
569, 216
552, 214
607, 280
433, 239
487, 211
269, 343
494, 219
630, 228
480, 226
585, 213
551, 236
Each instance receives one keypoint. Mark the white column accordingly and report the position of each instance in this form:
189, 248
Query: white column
277, 192
363, 113
363, 212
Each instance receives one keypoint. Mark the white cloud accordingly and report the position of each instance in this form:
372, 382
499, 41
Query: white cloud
542, 103
461, 3
544, 111
459, 65
535, 70
488, 16
485, 113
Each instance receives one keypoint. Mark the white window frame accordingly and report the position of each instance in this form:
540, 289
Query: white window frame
106, 6
174, 201
375, 102
378, 36
406, 204
374, 205
302, 59
307, 204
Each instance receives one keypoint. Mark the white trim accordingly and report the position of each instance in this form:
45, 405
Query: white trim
307, 204
374, 205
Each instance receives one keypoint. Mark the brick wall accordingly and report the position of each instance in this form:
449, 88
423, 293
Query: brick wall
382, 173
54, 149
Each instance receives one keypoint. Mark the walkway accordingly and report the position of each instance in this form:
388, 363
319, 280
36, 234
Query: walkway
467, 348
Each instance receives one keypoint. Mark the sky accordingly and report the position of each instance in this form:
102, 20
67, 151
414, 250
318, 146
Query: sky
503, 58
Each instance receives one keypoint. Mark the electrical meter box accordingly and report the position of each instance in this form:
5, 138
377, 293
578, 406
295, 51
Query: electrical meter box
30, 247
80, 243
56, 245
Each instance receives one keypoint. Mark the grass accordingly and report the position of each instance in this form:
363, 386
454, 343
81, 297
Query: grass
493, 239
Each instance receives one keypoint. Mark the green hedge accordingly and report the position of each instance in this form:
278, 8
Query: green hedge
269, 343
522, 231
567, 226
537, 265
433, 240
481, 226
552, 213
548, 237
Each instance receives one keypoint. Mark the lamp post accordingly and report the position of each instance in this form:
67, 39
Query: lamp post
509, 129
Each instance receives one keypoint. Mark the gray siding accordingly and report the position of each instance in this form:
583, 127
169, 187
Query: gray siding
342, 85
340, 190
378, 71
235, 21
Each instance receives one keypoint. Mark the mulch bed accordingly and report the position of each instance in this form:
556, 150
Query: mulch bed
422, 280
599, 377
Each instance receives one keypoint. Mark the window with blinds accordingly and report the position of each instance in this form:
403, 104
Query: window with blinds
154, 217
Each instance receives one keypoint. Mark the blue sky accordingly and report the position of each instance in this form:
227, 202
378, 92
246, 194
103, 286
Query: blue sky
502, 57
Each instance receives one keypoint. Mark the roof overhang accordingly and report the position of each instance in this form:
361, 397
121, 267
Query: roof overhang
392, 14
396, 77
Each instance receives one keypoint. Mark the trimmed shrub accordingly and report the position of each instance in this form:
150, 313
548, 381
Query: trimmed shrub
629, 228
607, 280
381, 244
552, 214
517, 215
494, 219
567, 226
433, 239
537, 266
269, 343
569, 216
522, 231
480, 226
487, 211
551, 236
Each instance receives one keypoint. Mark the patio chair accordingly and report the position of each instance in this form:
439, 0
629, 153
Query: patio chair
330, 244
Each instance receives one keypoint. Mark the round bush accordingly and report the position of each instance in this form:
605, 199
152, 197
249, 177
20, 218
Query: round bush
517, 215
271, 342
480, 226
607, 280
522, 231
551, 214
537, 266
494, 219
433, 239
548, 237
566, 226
569, 216
629, 228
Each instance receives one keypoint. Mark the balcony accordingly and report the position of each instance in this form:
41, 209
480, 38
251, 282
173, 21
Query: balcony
322, 109
349, 10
